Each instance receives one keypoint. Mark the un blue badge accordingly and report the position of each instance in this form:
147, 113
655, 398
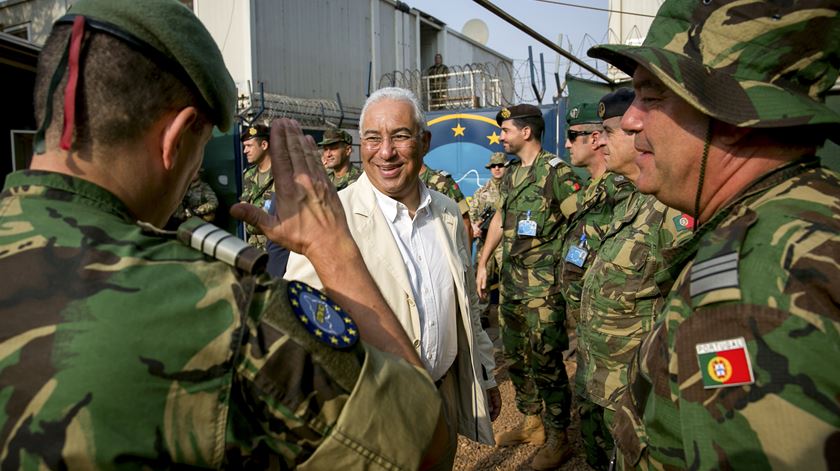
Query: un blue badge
322, 318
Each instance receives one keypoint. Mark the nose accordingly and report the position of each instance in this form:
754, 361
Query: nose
568, 144
632, 121
386, 149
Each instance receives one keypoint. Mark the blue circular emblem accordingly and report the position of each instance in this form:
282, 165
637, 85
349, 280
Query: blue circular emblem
322, 318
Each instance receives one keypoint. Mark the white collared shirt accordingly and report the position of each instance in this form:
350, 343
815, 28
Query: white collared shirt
430, 278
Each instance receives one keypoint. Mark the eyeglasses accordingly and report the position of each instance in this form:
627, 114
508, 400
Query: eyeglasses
496, 166
398, 141
572, 135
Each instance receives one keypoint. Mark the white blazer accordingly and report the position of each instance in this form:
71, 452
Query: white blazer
475, 363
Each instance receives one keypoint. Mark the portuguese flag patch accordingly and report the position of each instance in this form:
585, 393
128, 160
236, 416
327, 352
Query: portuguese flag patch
724, 363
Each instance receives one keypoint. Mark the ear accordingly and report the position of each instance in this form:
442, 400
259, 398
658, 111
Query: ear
348, 149
425, 142
526, 133
174, 131
727, 134
594, 140
264, 144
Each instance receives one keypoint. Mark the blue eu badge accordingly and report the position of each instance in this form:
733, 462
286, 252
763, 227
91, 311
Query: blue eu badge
577, 253
322, 318
527, 227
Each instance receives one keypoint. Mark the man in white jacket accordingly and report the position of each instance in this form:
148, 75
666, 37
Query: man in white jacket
414, 245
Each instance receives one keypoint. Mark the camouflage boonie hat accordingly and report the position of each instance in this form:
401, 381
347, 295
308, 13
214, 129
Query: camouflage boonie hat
615, 103
582, 113
257, 130
748, 63
333, 135
172, 35
497, 158
518, 112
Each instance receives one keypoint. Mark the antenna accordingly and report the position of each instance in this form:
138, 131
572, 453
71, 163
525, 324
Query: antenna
476, 30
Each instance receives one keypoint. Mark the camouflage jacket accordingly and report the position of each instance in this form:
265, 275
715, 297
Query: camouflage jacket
621, 296
200, 201
486, 197
594, 208
340, 183
442, 182
258, 195
740, 370
530, 264
126, 349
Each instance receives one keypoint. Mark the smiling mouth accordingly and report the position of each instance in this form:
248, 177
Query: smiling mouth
389, 171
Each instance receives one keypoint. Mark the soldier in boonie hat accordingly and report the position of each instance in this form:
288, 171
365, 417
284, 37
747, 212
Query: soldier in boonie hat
336, 149
496, 158
730, 101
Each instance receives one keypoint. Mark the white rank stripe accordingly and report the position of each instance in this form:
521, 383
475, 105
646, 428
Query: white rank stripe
717, 273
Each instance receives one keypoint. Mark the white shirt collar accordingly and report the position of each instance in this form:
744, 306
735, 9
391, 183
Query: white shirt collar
391, 207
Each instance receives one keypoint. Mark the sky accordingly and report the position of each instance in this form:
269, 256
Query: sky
581, 28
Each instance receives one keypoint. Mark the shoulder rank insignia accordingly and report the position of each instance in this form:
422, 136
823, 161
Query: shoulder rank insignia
724, 363
322, 317
683, 222
554, 162
713, 274
444, 173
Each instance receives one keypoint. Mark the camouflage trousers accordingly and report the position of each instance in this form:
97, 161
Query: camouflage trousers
257, 240
534, 336
595, 434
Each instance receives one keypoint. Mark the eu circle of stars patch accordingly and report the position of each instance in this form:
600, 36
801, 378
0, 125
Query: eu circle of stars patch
322, 317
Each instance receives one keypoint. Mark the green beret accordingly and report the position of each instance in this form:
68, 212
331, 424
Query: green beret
170, 32
333, 135
615, 103
582, 113
518, 112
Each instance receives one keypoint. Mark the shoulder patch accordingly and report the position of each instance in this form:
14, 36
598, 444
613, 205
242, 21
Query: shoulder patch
555, 162
444, 173
724, 363
716, 273
683, 222
323, 318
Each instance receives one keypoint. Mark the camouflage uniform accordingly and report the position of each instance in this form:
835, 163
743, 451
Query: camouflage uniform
485, 197
620, 300
594, 208
200, 200
442, 182
777, 250
126, 349
258, 195
740, 370
532, 312
340, 183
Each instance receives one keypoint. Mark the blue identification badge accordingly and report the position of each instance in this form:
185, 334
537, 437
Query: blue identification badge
577, 253
267, 204
322, 318
527, 227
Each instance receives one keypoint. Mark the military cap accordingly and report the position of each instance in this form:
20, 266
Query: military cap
257, 130
615, 103
582, 113
171, 34
518, 112
497, 158
750, 64
333, 135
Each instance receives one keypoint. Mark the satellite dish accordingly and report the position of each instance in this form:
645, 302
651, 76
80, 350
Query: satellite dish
476, 30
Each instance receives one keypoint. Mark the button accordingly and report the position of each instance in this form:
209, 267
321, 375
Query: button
416, 343
410, 302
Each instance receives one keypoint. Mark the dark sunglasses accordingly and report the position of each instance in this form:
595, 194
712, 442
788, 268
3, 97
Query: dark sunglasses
572, 135
496, 166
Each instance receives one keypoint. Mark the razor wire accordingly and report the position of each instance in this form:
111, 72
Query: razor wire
309, 112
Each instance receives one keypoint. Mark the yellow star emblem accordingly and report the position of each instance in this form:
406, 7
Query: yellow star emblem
295, 303
493, 138
345, 338
303, 319
334, 340
351, 331
459, 130
318, 333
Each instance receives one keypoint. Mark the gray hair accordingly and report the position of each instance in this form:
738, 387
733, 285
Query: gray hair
396, 94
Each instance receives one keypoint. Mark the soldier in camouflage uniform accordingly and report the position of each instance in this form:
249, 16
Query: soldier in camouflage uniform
200, 201
125, 348
442, 182
257, 180
336, 148
740, 370
620, 297
530, 224
593, 208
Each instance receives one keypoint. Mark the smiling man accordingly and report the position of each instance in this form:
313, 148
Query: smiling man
414, 244
740, 370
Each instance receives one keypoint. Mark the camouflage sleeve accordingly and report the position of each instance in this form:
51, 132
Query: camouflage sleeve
473, 207
565, 184
311, 403
211, 202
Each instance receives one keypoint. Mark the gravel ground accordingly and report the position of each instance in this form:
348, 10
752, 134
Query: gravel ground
473, 456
